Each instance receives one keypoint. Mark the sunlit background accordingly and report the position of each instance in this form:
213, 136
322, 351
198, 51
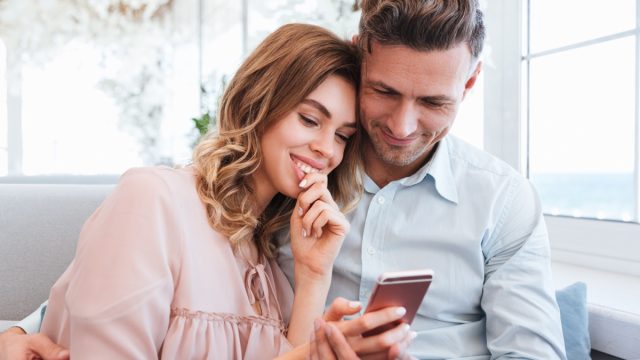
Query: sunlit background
93, 87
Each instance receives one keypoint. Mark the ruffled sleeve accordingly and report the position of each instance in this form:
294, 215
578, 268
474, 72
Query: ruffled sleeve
117, 293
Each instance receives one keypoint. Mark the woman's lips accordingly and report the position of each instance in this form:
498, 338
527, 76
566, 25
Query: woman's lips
302, 168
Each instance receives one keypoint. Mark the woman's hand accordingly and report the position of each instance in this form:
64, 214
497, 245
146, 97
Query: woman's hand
318, 228
334, 338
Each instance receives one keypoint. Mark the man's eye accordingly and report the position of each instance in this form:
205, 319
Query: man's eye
307, 120
383, 91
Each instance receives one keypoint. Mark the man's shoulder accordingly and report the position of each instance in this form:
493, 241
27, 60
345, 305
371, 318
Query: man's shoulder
471, 160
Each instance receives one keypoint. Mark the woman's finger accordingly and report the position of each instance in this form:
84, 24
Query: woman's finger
321, 214
315, 192
400, 349
339, 344
381, 342
313, 178
341, 307
323, 348
371, 320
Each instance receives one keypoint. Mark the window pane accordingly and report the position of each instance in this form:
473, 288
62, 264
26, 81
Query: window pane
4, 161
558, 23
102, 88
222, 48
266, 16
469, 124
582, 130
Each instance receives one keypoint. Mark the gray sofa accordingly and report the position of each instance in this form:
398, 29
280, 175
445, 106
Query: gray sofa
39, 226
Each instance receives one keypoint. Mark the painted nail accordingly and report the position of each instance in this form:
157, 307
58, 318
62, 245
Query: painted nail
354, 304
401, 311
413, 335
406, 327
303, 183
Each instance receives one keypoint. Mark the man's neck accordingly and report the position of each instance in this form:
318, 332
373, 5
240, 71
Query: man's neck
383, 173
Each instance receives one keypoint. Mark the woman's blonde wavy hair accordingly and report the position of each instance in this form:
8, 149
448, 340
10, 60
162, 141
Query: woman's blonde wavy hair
281, 72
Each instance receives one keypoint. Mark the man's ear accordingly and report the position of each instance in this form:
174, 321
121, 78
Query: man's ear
472, 79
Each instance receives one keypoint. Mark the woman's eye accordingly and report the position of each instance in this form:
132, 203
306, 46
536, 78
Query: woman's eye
343, 138
308, 121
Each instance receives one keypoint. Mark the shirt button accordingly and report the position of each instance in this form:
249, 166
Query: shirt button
380, 200
371, 250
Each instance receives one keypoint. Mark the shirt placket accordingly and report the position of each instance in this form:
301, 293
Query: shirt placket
375, 229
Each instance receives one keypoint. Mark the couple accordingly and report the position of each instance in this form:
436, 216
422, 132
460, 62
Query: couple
182, 263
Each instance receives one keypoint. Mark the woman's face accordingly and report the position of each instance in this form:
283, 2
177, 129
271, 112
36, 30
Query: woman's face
312, 138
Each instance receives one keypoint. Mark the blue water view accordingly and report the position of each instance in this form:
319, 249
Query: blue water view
599, 196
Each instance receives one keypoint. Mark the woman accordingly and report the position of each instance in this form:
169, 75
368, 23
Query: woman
179, 263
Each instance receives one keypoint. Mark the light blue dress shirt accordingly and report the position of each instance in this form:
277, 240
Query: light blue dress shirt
478, 224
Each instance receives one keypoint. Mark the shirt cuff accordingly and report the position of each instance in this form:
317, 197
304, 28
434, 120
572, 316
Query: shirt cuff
31, 324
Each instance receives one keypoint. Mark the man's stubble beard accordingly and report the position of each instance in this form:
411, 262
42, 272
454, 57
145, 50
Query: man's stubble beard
396, 155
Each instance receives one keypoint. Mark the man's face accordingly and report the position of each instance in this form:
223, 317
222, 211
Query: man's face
409, 99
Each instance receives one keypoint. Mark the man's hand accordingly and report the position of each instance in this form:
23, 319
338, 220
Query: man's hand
16, 345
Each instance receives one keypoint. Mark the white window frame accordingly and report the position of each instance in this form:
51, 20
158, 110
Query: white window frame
598, 244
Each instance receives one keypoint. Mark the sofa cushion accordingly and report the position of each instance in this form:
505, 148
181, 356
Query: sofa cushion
572, 301
40, 226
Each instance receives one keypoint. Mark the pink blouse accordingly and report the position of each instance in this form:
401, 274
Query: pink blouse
152, 279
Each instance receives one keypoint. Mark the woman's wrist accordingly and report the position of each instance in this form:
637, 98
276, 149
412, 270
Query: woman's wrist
306, 275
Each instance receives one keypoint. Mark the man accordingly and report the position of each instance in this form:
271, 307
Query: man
432, 201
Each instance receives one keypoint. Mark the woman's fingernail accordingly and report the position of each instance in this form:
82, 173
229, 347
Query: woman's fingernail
354, 304
413, 335
300, 210
303, 183
304, 233
406, 327
401, 311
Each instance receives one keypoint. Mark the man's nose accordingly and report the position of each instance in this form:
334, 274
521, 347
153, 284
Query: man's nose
404, 120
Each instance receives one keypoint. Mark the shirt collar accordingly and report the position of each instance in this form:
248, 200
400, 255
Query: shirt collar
440, 171
439, 168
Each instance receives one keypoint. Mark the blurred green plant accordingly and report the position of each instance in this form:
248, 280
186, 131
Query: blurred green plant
211, 97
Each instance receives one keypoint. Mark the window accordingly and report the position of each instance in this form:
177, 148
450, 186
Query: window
96, 88
561, 105
4, 160
581, 100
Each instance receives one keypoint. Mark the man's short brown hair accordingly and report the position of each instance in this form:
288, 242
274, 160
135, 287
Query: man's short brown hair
422, 24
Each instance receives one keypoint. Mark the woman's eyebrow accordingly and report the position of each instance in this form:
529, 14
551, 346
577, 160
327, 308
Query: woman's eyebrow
318, 106
325, 111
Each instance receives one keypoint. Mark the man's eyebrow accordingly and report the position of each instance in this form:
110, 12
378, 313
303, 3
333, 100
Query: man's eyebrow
436, 99
318, 106
383, 85
427, 99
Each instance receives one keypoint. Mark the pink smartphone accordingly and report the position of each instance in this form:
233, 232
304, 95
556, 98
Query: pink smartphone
400, 288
